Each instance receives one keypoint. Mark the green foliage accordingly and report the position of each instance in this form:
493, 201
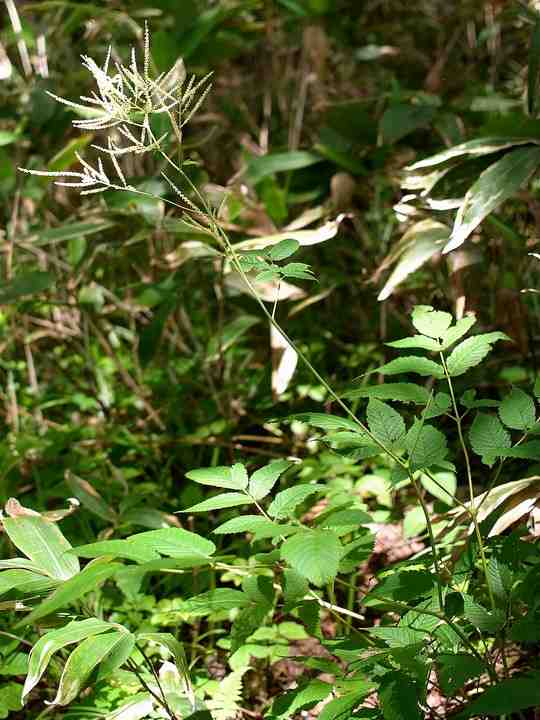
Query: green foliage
495, 185
364, 561
509, 696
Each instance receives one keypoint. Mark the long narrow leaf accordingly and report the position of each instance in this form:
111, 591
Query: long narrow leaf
89, 579
55, 640
42, 542
495, 185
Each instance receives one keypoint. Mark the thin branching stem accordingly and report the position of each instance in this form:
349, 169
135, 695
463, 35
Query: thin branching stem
473, 511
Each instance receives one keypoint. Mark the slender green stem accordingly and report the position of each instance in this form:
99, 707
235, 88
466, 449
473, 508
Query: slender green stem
473, 511
135, 670
303, 357
432, 542
223, 239
153, 670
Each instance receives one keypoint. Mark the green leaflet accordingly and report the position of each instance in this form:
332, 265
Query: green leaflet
527, 451
218, 502
457, 331
398, 697
400, 119
10, 699
117, 656
260, 167
257, 525
420, 243
25, 581
439, 404
283, 249
306, 695
172, 645
488, 437
84, 582
517, 410
246, 622
174, 542
326, 422
23, 285
441, 485
412, 364
71, 231
482, 619
416, 342
89, 497
430, 322
295, 586
219, 477
473, 148
471, 352
263, 480
426, 446
340, 708
414, 522
314, 554
230, 334
214, 600
385, 423
508, 696
501, 579
286, 501
454, 669
397, 392
344, 522
116, 548
82, 661
400, 586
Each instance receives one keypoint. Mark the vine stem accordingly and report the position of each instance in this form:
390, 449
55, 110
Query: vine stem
472, 510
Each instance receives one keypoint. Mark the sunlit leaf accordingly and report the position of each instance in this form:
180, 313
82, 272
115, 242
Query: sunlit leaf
43, 543
82, 661
420, 243
55, 640
313, 554
76, 587
495, 185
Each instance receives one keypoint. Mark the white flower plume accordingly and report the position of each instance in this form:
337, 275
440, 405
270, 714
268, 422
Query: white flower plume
125, 99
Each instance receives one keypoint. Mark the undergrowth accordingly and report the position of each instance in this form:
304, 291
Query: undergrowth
276, 565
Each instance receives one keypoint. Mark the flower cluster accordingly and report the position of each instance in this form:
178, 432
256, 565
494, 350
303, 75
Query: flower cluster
125, 100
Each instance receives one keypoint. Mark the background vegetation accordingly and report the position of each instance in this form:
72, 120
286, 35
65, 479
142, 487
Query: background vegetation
134, 354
